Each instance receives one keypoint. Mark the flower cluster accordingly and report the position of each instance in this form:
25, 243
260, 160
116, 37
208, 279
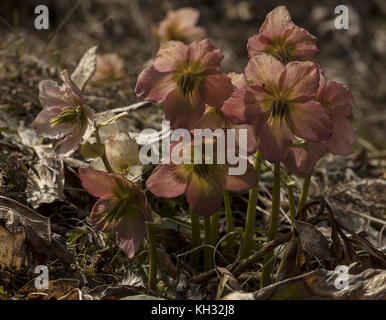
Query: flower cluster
291, 114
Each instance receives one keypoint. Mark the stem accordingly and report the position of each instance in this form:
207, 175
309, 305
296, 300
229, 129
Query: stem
196, 239
152, 257
251, 210
214, 225
272, 232
291, 203
229, 221
304, 194
104, 158
207, 242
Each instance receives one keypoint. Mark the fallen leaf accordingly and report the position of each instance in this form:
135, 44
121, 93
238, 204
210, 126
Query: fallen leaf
12, 253
312, 240
85, 68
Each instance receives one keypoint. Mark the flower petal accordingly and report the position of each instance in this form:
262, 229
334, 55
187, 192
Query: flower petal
154, 85
302, 162
205, 196
130, 233
300, 80
51, 95
72, 91
206, 54
276, 23
183, 111
310, 122
97, 183
216, 89
242, 182
304, 43
342, 139
264, 71
335, 98
243, 107
42, 123
170, 54
274, 138
97, 213
167, 181
238, 80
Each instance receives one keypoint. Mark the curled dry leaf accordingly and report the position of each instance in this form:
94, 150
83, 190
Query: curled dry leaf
312, 240
85, 68
320, 285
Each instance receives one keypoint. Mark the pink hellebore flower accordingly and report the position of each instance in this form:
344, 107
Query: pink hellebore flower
214, 118
65, 114
203, 184
180, 25
185, 78
280, 37
279, 100
336, 99
109, 67
122, 207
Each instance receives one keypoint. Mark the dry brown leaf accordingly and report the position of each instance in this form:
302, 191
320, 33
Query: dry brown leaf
12, 253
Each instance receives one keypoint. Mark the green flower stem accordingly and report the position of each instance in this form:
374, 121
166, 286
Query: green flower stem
104, 158
152, 257
229, 221
272, 232
251, 210
207, 242
304, 194
196, 239
214, 225
291, 203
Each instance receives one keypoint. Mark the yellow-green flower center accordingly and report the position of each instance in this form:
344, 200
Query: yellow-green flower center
75, 115
281, 49
189, 76
279, 109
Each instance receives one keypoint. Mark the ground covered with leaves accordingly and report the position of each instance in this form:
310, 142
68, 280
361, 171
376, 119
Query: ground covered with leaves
43, 222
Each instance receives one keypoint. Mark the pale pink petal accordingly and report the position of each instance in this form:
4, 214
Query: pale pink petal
154, 86
276, 23
238, 80
42, 123
256, 44
300, 80
342, 140
310, 122
167, 181
206, 54
216, 89
243, 107
97, 183
193, 33
274, 138
205, 196
304, 42
98, 212
335, 98
187, 17
302, 162
51, 95
264, 71
170, 54
184, 111
130, 232
72, 91
242, 182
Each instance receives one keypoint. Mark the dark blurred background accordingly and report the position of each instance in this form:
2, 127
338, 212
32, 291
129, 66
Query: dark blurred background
355, 56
